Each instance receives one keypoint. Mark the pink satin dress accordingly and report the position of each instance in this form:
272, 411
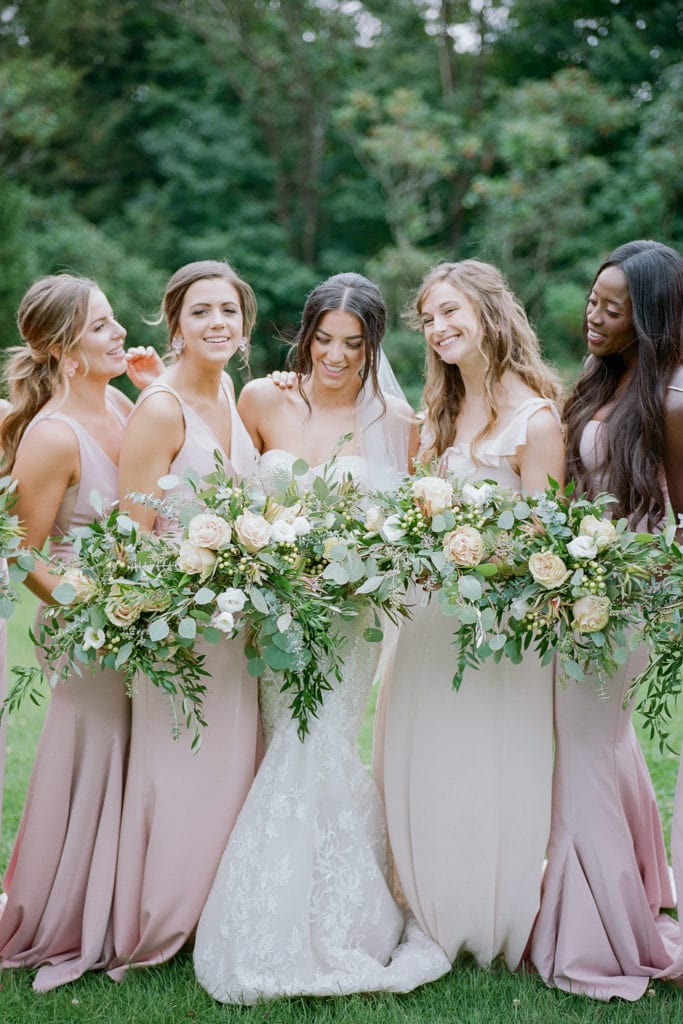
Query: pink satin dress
600, 930
60, 878
180, 806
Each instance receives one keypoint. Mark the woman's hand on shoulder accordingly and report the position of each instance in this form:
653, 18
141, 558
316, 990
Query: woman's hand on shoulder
144, 365
283, 379
543, 454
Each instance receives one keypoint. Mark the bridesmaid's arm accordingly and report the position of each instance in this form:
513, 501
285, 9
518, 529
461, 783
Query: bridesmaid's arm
256, 406
47, 463
154, 435
543, 454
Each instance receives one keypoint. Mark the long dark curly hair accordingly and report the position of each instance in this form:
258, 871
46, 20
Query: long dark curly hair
635, 425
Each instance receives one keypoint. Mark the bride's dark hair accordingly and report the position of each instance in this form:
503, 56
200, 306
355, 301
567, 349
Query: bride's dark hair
635, 426
354, 294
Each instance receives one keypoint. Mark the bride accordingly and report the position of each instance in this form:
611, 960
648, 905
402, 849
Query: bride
300, 904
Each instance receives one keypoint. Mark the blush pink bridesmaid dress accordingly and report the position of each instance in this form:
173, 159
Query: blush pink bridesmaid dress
60, 878
180, 806
600, 931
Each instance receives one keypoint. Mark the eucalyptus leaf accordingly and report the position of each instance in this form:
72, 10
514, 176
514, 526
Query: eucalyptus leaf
123, 654
168, 482
158, 630
64, 593
470, 588
187, 628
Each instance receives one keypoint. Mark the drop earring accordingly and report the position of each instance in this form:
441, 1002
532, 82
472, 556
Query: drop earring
243, 344
177, 344
70, 367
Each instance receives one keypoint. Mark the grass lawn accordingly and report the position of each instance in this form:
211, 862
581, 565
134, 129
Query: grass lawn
170, 994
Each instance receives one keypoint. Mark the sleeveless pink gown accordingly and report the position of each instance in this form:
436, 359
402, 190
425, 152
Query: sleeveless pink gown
600, 931
180, 807
60, 878
3, 694
467, 775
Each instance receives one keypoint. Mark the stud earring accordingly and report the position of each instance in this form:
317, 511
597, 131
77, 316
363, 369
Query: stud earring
177, 344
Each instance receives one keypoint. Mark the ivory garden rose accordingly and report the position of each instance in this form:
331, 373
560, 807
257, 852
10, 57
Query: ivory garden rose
464, 546
602, 531
231, 600
548, 569
582, 547
432, 494
591, 613
82, 584
253, 530
195, 560
209, 531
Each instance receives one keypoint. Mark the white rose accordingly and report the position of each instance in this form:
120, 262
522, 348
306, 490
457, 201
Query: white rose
231, 600
81, 583
92, 639
195, 560
374, 520
464, 546
224, 621
282, 532
209, 531
253, 531
601, 530
285, 513
548, 569
391, 529
301, 526
477, 496
582, 547
433, 494
591, 613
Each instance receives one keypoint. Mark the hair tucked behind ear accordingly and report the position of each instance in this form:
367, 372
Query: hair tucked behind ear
509, 343
52, 318
635, 423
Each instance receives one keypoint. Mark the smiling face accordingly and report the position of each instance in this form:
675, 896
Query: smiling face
211, 322
451, 325
338, 349
100, 349
609, 318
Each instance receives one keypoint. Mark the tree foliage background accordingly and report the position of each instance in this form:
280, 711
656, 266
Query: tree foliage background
298, 138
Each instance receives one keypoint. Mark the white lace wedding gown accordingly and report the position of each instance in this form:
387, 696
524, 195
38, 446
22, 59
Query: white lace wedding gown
300, 903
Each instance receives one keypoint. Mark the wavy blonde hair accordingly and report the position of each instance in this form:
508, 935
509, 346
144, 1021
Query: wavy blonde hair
508, 343
52, 318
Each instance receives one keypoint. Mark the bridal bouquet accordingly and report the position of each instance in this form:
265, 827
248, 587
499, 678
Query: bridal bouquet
660, 683
11, 536
455, 539
115, 608
583, 582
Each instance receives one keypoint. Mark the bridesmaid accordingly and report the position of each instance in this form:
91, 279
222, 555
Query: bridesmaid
61, 439
467, 775
180, 807
4, 407
600, 931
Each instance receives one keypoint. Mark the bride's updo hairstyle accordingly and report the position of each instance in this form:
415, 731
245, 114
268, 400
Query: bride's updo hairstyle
353, 294
203, 270
52, 318
508, 343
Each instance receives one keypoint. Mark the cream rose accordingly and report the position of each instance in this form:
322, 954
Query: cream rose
601, 530
231, 600
548, 569
433, 494
224, 621
282, 532
374, 520
123, 607
477, 496
253, 531
195, 560
285, 513
582, 547
209, 531
464, 546
591, 613
82, 584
